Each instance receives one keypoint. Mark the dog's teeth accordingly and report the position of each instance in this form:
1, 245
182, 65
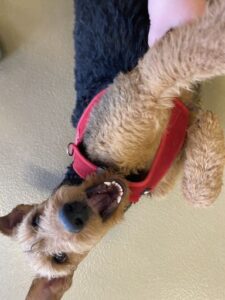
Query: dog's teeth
117, 184
107, 183
119, 187
119, 199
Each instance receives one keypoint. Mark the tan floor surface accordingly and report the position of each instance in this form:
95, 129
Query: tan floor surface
165, 250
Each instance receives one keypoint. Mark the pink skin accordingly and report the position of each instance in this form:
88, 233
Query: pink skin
167, 14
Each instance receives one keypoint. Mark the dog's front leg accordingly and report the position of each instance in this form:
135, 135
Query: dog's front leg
205, 160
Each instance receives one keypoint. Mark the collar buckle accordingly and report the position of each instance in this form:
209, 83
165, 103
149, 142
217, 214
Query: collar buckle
70, 149
146, 192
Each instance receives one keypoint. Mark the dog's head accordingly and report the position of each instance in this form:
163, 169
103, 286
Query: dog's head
58, 233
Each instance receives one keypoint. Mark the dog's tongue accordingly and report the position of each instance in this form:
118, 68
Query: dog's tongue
104, 198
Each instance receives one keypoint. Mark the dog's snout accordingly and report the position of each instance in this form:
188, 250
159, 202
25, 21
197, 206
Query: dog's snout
74, 216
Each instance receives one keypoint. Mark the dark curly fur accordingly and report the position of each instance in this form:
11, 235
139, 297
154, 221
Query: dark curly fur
110, 36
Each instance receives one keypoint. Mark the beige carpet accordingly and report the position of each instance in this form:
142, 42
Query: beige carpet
165, 250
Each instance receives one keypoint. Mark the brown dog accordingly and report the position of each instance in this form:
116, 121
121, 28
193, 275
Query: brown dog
139, 105
126, 143
54, 251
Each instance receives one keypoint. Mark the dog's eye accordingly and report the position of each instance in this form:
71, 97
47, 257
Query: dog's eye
60, 258
35, 221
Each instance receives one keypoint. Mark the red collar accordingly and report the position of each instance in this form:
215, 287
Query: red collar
170, 146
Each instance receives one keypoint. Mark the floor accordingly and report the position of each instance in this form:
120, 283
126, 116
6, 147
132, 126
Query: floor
165, 249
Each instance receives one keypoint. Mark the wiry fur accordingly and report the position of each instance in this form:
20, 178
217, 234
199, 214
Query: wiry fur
139, 105
51, 237
124, 132
204, 163
110, 36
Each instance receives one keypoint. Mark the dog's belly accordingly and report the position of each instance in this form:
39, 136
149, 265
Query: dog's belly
110, 36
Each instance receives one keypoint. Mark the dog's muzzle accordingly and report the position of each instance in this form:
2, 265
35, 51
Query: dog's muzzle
74, 216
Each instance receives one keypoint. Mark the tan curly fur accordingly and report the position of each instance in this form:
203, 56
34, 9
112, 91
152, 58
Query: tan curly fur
50, 238
139, 105
204, 163
124, 132
41, 243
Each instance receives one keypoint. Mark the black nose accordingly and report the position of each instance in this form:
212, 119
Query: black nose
74, 216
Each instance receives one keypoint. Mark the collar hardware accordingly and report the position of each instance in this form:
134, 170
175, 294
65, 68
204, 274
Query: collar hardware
146, 192
69, 149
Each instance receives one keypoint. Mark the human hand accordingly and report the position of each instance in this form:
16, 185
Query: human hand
167, 14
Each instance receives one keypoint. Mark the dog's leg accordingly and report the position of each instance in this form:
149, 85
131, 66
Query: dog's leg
44, 289
205, 160
191, 53
194, 52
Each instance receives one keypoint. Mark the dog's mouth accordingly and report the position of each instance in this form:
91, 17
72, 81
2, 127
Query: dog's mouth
106, 197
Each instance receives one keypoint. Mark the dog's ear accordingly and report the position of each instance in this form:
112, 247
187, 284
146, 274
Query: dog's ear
53, 289
9, 222
205, 160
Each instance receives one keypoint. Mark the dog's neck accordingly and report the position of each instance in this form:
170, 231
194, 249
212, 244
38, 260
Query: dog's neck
124, 131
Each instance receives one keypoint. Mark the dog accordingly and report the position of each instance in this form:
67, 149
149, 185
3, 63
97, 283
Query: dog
110, 37
57, 234
129, 143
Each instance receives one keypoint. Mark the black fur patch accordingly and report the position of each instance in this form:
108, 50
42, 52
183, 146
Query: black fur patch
110, 36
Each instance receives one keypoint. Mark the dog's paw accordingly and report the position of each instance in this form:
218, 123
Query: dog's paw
205, 160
